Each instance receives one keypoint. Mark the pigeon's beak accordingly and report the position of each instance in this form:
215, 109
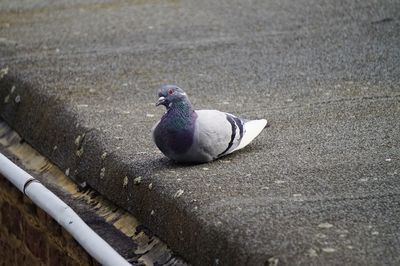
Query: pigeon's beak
161, 100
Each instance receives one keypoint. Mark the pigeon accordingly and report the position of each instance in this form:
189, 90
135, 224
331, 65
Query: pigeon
186, 135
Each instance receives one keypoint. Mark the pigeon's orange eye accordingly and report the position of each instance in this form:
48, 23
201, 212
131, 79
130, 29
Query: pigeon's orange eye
170, 91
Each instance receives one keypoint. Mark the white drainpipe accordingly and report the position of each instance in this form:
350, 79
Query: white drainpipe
62, 213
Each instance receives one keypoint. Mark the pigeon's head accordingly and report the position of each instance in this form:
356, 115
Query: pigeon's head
170, 94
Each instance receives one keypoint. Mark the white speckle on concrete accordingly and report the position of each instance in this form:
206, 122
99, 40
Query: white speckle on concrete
137, 180
179, 179
78, 140
279, 181
92, 90
342, 231
205, 168
13, 89
328, 250
178, 193
150, 27
265, 188
325, 225
67, 172
55, 148
151, 186
3, 72
126, 112
149, 115
312, 252
102, 172
350, 247
374, 233
388, 159
152, 212
319, 235
104, 155
342, 235
195, 208
226, 103
82, 105
297, 197
57, 51
119, 138
79, 152
125, 183
273, 261
393, 173
369, 226
7, 99
363, 179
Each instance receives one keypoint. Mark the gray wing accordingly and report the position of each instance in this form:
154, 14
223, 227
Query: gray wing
217, 133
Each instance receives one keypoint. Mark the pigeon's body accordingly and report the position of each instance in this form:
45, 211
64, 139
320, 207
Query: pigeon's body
185, 135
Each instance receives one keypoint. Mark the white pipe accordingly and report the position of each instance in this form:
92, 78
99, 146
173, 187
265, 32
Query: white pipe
62, 213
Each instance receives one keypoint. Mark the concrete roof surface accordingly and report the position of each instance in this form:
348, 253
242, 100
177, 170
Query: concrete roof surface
319, 186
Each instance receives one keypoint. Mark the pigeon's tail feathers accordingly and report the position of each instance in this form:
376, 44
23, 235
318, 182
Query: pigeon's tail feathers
252, 129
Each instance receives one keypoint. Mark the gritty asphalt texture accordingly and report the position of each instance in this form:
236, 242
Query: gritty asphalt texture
318, 187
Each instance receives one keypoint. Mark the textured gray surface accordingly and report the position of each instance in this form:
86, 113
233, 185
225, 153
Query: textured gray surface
318, 187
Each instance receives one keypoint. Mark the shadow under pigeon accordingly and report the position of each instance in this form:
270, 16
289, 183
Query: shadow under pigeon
171, 164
